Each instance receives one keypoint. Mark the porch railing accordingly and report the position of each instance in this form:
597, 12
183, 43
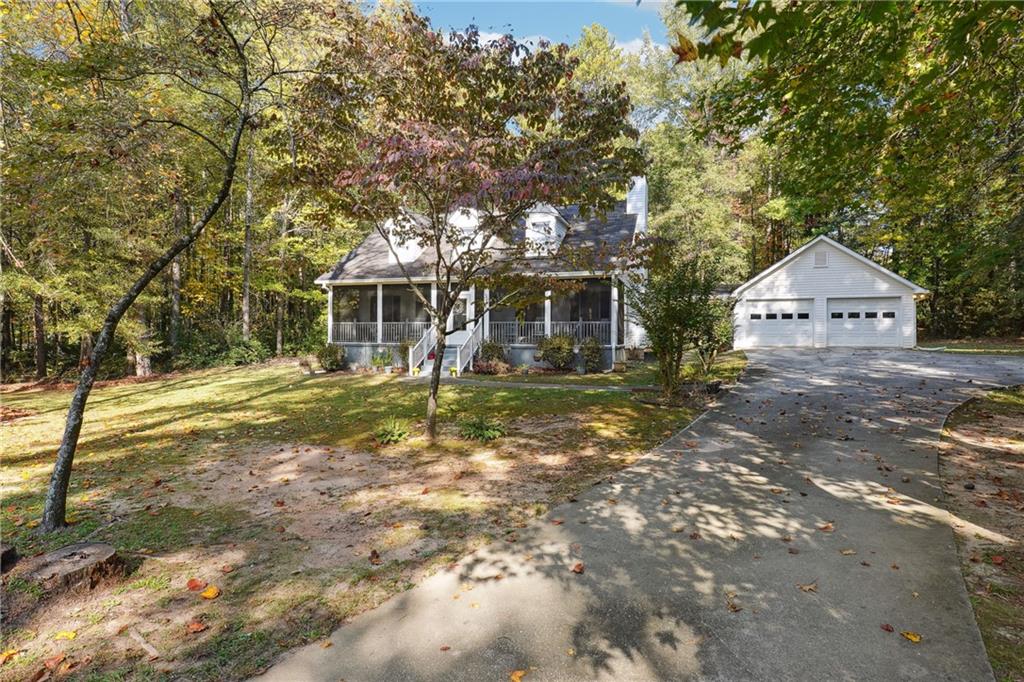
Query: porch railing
529, 333
507, 333
600, 330
396, 332
354, 332
366, 332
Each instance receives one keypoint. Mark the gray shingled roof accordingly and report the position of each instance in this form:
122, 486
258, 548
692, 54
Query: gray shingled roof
369, 260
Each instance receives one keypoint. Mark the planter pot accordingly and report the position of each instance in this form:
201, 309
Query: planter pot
416, 371
388, 369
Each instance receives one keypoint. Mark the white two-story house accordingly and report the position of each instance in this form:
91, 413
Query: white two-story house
373, 309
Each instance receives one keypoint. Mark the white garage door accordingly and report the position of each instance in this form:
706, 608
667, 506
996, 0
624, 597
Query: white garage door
779, 323
863, 322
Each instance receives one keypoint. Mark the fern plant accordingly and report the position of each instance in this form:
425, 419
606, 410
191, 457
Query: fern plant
391, 430
481, 428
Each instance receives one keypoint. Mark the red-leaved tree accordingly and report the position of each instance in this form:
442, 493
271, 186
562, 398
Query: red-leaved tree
457, 139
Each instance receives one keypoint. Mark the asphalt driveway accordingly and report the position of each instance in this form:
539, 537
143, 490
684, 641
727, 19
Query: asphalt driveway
818, 470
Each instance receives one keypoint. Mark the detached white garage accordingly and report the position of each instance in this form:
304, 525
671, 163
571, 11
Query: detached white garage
824, 294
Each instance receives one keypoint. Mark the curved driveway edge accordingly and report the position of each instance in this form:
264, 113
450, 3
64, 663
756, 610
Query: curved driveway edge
818, 470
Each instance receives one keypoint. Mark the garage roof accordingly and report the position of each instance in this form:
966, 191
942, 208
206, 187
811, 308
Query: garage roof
850, 252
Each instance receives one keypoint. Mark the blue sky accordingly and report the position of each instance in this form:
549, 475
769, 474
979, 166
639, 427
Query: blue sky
556, 21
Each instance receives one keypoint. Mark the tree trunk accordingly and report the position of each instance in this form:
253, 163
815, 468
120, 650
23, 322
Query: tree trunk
84, 350
143, 362
247, 253
6, 335
435, 384
180, 221
40, 328
279, 323
55, 507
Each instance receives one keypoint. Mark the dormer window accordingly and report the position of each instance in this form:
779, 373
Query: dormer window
543, 226
821, 258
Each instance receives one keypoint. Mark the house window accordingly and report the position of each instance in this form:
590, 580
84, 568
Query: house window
771, 316
853, 316
787, 316
755, 316
889, 315
821, 258
837, 316
803, 316
870, 316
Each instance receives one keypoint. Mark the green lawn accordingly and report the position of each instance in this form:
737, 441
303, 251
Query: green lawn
1006, 346
638, 373
277, 475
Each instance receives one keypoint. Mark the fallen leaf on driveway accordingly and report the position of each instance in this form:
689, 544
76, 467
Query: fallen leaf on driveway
211, 592
578, 568
809, 587
887, 627
912, 636
195, 584
847, 552
445, 648
827, 527
326, 644
516, 675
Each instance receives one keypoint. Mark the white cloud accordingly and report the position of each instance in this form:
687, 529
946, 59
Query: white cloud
635, 45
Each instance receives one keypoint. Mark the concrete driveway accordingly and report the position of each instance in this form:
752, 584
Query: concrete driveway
819, 470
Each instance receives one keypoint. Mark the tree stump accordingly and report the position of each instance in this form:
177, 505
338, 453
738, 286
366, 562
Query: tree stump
8, 556
81, 565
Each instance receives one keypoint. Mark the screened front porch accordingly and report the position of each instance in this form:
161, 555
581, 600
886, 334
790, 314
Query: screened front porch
378, 314
390, 314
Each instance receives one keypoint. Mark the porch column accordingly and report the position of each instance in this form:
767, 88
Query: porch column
380, 313
547, 313
487, 314
471, 304
615, 316
330, 313
433, 300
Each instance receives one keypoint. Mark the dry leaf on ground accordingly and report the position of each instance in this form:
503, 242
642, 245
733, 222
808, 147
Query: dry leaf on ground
578, 568
195, 584
211, 592
912, 636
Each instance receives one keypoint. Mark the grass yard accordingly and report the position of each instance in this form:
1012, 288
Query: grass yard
638, 373
268, 484
982, 467
1006, 346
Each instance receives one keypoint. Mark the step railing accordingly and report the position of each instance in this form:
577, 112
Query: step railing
465, 352
418, 353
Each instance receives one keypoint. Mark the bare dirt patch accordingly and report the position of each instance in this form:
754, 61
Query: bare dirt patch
296, 537
982, 466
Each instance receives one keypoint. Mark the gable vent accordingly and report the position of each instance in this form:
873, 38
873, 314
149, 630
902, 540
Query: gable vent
821, 258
